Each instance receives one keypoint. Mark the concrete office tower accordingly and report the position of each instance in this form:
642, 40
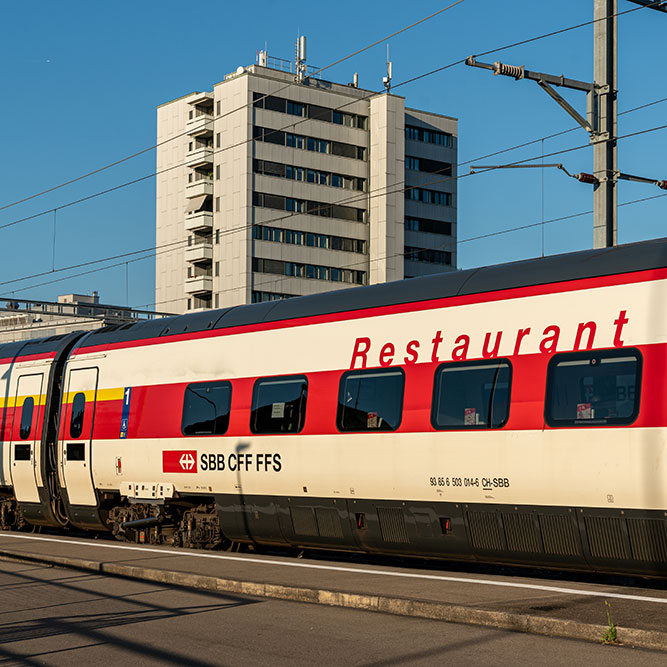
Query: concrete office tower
270, 187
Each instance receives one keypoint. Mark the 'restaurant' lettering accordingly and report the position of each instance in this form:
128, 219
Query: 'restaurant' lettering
458, 347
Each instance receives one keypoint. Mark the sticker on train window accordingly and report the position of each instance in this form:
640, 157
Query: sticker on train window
593, 388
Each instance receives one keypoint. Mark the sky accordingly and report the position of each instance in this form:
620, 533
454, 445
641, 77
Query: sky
81, 81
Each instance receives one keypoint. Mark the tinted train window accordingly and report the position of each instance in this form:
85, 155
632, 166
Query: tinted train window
370, 400
472, 395
26, 418
206, 407
76, 421
593, 388
279, 405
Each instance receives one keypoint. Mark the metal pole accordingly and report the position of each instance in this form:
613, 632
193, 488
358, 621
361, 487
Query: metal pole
604, 139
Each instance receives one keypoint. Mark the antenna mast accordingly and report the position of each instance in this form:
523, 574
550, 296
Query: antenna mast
300, 58
386, 80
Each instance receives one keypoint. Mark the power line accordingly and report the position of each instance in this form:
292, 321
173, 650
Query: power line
349, 266
224, 115
371, 94
400, 187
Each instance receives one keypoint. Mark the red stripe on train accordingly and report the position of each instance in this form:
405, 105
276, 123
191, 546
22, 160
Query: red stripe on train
447, 302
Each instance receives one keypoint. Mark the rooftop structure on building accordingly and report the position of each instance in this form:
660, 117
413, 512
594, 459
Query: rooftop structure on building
22, 319
278, 183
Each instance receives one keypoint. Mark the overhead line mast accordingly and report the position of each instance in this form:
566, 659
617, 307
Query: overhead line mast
601, 111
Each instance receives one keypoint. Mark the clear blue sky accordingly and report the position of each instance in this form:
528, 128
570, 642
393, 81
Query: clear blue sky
81, 80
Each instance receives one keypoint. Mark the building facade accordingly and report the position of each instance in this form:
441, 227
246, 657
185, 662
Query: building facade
269, 188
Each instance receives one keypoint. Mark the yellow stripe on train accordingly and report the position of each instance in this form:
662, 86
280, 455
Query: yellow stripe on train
113, 394
18, 401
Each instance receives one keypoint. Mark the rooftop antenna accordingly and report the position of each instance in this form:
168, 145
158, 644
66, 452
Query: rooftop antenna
300, 58
386, 80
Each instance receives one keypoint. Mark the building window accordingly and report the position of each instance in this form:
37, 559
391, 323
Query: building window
313, 111
302, 142
217, 300
430, 226
25, 427
217, 204
370, 400
281, 203
206, 408
430, 166
217, 236
471, 395
315, 272
428, 136
427, 255
189, 302
217, 271
428, 196
279, 405
316, 176
260, 297
76, 419
217, 172
593, 388
217, 108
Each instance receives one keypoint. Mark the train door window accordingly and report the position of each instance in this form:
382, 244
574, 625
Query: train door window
370, 400
76, 420
472, 394
279, 405
593, 388
206, 408
26, 418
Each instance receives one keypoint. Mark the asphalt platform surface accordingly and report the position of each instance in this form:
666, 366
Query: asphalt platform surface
552, 604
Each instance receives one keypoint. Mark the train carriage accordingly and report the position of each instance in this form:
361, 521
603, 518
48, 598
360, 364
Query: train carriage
505, 414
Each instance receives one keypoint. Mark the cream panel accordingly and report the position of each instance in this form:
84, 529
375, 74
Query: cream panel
574, 467
330, 346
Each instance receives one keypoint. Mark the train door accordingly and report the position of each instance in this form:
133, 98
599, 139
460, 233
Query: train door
23, 450
76, 436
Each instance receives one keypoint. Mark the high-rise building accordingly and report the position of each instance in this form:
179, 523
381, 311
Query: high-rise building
273, 185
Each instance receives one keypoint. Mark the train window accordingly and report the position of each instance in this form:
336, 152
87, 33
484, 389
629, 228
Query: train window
279, 404
206, 407
76, 420
472, 394
593, 388
26, 418
370, 400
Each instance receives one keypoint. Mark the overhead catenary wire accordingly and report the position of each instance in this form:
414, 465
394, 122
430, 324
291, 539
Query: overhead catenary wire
362, 197
279, 279
353, 198
372, 93
228, 113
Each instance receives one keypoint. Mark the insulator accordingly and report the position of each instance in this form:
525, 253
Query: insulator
661, 184
508, 70
586, 178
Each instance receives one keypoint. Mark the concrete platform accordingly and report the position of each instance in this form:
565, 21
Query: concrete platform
547, 605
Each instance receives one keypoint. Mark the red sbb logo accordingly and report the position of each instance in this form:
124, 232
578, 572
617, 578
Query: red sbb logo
179, 461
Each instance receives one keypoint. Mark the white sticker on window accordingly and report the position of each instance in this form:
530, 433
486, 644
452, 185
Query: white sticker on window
278, 410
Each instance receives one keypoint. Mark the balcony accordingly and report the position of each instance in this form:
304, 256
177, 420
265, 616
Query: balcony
199, 285
198, 188
200, 251
196, 222
200, 125
201, 156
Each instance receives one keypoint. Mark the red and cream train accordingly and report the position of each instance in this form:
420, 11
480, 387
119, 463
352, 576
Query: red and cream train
511, 414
